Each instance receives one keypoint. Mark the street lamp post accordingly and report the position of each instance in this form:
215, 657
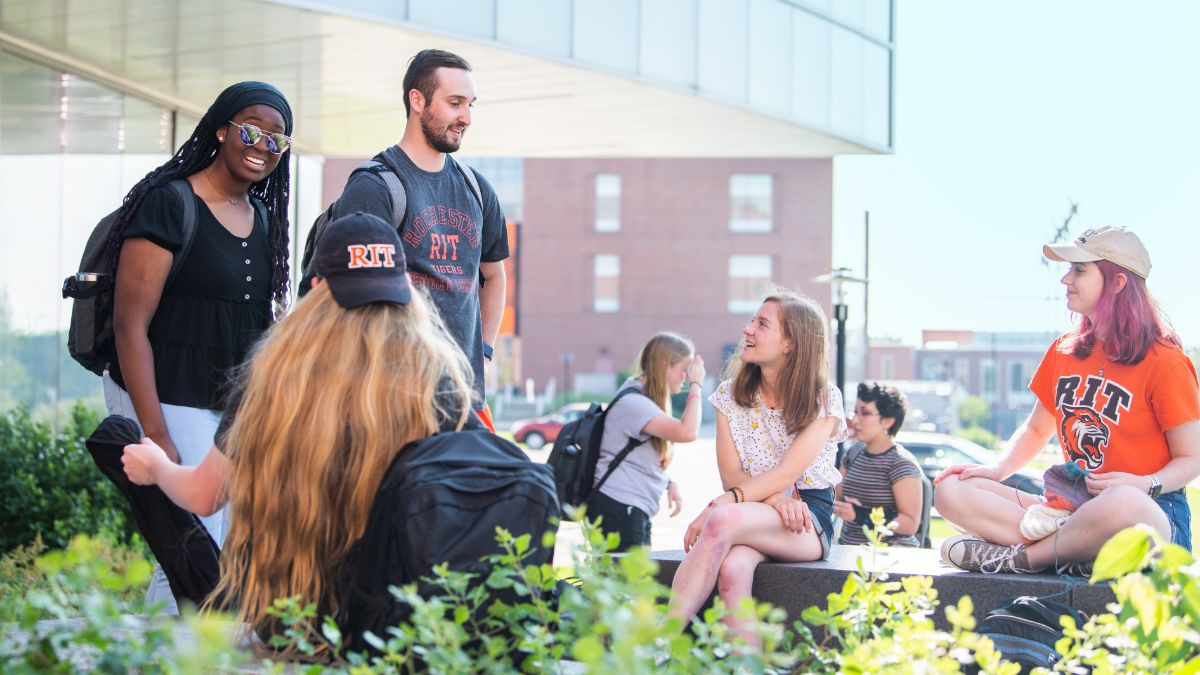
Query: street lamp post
839, 277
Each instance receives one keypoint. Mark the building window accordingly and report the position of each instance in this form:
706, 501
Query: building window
1020, 373
749, 278
750, 202
606, 289
887, 367
987, 379
608, 202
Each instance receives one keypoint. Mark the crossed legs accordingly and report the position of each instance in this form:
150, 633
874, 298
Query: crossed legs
993, 511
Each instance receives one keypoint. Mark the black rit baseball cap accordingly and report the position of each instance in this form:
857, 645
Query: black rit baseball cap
362, 260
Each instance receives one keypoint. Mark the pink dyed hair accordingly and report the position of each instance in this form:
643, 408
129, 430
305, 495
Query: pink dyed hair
1129, 323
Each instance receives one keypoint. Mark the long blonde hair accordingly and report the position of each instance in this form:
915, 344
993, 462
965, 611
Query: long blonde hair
804, 377
328, 399
658, 355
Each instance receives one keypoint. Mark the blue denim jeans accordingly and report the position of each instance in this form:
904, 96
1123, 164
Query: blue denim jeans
1175, 505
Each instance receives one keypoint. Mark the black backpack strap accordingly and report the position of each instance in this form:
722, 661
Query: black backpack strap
187, 197
633, 442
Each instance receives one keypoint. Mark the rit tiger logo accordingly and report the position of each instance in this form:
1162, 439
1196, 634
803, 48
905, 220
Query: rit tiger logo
1087, 408
1084, 434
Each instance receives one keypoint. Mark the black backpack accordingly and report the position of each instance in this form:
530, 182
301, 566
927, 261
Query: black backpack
922, 533
577, 450
441, 501
391, 180
1026, 629
91, 339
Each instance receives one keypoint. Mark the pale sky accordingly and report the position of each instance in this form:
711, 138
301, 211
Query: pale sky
1004, 112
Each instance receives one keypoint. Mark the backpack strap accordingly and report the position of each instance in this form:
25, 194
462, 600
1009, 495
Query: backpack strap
633, 442
183, 190
852, 454
395, 188
473, 183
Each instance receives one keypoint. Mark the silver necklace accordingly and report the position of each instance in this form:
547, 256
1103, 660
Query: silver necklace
232, 202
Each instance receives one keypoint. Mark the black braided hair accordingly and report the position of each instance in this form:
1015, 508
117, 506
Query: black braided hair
196, 153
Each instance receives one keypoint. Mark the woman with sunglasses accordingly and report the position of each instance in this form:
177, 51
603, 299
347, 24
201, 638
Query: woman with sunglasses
176, 342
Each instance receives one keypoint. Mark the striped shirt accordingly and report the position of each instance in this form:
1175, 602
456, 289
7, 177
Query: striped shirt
869, 479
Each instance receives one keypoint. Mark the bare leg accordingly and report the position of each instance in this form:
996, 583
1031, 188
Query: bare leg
984, 508
1085, 532
735, 582
755, 525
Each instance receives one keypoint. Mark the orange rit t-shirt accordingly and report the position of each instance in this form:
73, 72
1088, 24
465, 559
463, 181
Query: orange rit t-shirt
1113, 416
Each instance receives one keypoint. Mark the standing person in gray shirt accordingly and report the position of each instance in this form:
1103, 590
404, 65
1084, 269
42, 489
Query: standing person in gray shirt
452, 228
628, 497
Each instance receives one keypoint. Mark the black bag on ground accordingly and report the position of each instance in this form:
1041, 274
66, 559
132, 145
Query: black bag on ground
577, 450
1026, 629
186, 551
441, 501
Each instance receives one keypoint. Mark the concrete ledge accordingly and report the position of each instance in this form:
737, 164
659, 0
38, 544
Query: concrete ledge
797, 586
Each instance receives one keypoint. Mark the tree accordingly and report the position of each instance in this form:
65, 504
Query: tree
974, 412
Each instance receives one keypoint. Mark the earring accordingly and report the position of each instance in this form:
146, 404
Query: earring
220, 139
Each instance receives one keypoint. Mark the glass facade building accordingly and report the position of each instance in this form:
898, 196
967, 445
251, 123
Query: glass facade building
95, 93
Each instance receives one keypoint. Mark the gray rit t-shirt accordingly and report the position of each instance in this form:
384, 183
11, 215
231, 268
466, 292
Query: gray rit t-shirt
445, 235
638, 480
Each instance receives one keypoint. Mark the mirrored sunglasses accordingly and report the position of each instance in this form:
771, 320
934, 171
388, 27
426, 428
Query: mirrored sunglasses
250, 135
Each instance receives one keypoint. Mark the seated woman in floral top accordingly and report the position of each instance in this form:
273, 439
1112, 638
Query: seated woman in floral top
778, 424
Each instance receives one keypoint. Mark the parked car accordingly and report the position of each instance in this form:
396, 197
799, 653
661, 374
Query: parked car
537, 432
935, 452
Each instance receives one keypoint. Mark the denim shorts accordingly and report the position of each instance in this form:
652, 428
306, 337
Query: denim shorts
1175, 505
820, 507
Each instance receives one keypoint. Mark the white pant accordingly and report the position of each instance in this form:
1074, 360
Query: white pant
192, 429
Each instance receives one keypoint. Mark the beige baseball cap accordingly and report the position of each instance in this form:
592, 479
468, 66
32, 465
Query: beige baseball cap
1114, 244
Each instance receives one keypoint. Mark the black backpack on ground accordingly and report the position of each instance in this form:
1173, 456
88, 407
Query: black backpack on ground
91, 338
441, 501
1026, 629
922, 533
577, 450
395, 187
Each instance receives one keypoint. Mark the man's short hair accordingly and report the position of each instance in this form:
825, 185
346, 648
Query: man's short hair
888, 400
422, 73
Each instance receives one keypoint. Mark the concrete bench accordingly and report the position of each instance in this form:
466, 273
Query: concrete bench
797, 586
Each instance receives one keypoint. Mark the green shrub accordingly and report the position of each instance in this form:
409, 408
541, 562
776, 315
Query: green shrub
1155, 625
50, 487
20, 573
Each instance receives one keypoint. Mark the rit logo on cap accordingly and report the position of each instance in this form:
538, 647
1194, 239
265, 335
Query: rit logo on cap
371, 255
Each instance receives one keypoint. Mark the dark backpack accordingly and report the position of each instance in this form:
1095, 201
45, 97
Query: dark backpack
441, 501
922, 533
391, 180
91, 338
577, 450
1026, 629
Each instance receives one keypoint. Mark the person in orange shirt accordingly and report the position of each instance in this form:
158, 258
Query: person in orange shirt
1123, 399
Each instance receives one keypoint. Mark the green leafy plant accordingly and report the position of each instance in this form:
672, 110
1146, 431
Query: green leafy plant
1154, 625
49, 486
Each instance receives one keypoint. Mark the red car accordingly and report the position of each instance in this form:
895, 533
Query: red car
537, 432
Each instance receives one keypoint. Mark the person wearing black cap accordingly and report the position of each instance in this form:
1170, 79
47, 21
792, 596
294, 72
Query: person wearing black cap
452, 227
360, 367
177, 337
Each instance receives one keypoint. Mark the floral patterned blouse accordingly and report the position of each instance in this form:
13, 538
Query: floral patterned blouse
760, 437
